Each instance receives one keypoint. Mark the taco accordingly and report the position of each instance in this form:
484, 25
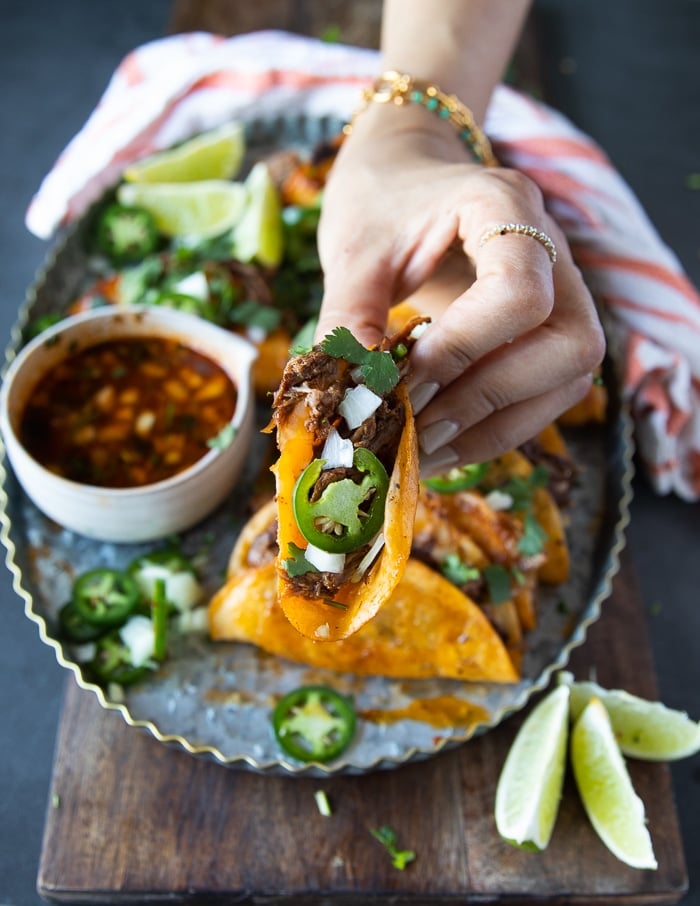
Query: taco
426, 628
475, 548
346, 481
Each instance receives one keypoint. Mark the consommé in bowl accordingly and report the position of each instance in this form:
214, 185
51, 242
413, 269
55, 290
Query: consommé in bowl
128, 424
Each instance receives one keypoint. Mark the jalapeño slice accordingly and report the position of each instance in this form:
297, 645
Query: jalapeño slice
458, 479
74, 627
112, 662
126, 235
346, 515
314, 723
105, 597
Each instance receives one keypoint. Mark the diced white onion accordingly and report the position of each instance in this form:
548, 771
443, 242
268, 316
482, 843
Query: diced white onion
323, 560
194, 285
337, 451
139, 637
255, 333
322, 631
369, 557
358, 404
181, 588
499, 500
419, 330
193, 621
83, 654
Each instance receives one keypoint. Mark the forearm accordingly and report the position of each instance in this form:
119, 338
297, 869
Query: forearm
461, 45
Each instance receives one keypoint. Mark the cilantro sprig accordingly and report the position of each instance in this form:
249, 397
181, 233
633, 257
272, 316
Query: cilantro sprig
455, 570
521, 490
388, 838
297, 564
378, 368
224, 439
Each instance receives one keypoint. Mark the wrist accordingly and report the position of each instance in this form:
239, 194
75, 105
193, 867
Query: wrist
414, 98
413, 126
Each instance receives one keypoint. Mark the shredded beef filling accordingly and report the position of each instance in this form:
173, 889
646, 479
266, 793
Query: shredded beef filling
321, 381
381, 432
263, 548
324, 584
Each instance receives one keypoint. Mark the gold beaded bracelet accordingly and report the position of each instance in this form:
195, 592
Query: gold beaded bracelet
400, 88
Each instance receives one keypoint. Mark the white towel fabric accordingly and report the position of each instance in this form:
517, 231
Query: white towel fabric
167, 90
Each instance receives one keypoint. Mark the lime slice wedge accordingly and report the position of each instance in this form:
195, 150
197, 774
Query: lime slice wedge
198, 210
530, 784
611, 803
643, 729
216, 154
258, 235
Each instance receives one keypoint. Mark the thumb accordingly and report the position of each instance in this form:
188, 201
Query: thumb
357, 299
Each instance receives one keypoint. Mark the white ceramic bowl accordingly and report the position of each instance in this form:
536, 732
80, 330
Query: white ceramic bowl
155, 510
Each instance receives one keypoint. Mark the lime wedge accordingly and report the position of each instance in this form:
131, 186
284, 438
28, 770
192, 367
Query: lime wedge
192, 209
258, 234
613, 807
643, 729
216, 154
530, 784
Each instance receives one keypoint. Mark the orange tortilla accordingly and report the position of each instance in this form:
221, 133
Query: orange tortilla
426, 628
315, 618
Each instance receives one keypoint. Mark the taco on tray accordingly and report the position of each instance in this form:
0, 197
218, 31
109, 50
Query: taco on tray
426, 628
346, 481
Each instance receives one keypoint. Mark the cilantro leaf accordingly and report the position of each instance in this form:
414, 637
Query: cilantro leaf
297, 564
386, 835
378, 368
341, 344
303, 341
380, 372
498, 583
520, 488
223, 439
455, 570
252, 314
533, 536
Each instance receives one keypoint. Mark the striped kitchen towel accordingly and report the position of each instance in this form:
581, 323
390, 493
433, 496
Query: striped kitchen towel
167, 90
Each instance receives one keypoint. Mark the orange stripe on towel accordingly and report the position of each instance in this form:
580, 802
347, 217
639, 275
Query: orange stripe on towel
590, 258
555, 147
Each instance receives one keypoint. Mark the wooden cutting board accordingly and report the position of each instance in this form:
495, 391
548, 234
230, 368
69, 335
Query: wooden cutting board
132, 820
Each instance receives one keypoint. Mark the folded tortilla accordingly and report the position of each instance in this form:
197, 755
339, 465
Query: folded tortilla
328, 605
426, 628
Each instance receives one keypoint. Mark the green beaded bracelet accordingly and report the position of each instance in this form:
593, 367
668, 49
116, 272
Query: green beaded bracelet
400, 88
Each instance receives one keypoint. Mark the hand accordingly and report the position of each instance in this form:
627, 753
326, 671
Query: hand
514, 340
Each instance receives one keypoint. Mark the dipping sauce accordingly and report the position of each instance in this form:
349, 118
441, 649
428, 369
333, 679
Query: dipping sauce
127, 412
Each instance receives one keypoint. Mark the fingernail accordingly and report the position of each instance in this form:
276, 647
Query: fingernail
438, 462
437, 435
421, 395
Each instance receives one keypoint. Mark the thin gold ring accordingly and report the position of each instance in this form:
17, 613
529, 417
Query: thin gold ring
523, 229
